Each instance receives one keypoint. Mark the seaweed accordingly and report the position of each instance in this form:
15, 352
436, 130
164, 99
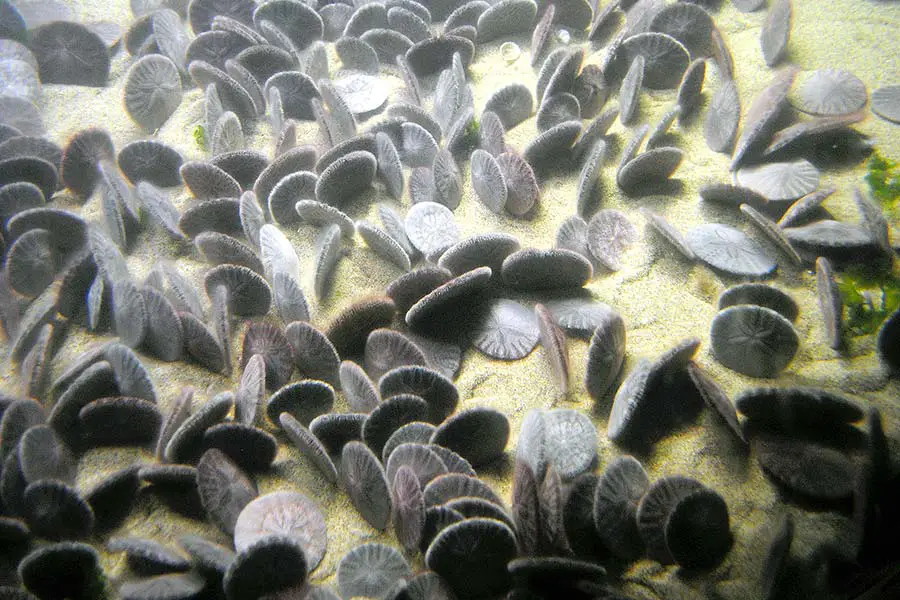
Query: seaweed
884, 182
200, 137
872, 296
870, 299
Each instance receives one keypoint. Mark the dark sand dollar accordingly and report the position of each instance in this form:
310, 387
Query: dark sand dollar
617, 495
435, 53
479, 435
148, 557
886, 102
390, 415
283, 513
753, 340
273, 564
55, 511
151, 161
512, 103
371, 570
697, 532
609, 234
335, 430
730, 251
218, 248
60, 570
224, 489
556, 109
655, 508
185, 443
439, 393
492, 134
776, 32
666, 59
71, 54
546, 148
482, 572
489, 249
760, 294
271, 343
364, 480
248, 292
533, 269
541, 34
345, 178
349, 330
508, 17
119, 421
831, 92
812, 470
129, 313
888, 348
251, 448
163, 337
202, 12
319, 214
649, 168
507, 331
447, 179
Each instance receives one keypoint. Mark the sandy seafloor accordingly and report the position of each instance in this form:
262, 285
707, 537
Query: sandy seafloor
662, 298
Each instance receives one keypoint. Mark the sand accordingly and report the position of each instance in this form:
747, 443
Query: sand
662, 298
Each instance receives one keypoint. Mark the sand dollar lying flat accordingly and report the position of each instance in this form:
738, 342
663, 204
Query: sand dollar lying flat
780, 181
753, 340
730, 250
363, 93
609, 234
431, 228
283, 513
508, 331
831, 92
